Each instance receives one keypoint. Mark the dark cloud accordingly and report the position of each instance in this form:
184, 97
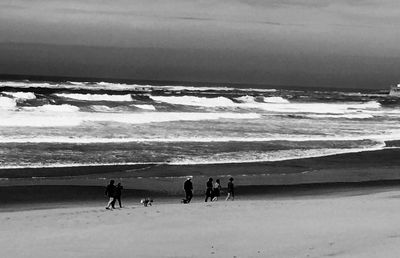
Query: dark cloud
306, 42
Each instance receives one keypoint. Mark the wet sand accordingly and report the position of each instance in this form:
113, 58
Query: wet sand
167, 180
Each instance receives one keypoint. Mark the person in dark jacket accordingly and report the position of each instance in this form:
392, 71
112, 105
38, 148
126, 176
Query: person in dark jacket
209, 189
110, 193
231, 191
118, 192
188, 187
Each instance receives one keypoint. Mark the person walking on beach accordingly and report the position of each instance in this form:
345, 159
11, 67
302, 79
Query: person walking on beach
216, 190
188, 187
231, 192
118, 192
209, 189
110, 193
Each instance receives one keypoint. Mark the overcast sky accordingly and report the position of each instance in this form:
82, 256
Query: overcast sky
341, 43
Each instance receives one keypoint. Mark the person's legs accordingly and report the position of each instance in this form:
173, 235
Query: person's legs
189, 196
227, 197
110, 203
119, 202
207, 195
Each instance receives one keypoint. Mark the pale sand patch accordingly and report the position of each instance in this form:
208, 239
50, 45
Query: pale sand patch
332, 226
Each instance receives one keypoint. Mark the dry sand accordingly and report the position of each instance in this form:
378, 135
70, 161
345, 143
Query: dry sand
338, 225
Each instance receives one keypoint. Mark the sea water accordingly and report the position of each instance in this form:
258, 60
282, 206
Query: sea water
44, 124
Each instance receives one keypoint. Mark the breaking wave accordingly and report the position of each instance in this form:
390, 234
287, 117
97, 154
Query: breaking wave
64, 108
195, 101
96, 97
21, 95
46, 118
145, 106
258, 99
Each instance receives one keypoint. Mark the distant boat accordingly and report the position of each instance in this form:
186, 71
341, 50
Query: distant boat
395, 91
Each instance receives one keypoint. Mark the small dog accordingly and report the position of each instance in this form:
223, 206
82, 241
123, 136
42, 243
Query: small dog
146, 201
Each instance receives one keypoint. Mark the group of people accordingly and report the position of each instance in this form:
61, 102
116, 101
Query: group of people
114, 194
213, 191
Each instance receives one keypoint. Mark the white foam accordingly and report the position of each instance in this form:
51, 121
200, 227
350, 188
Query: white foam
96, 97
102, 108
26, 84
275, 100
253, 100
250, 157
63, 165
195, 101
144, 106
299, 138
53, 108
317, 108
275, 104
347, 116
23, 120
46, 118
21, 95
246, 99
7, 103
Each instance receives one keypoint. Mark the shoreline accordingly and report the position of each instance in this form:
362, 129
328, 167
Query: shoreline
341, 173
33, 197
362, 159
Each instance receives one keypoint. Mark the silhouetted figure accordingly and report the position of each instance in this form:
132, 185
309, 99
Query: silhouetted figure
231, 190
188, 187
209, 189
216, 190
110, 193
118, 192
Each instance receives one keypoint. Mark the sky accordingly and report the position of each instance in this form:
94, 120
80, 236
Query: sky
319, 43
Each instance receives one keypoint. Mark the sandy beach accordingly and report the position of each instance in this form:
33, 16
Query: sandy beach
355, 224
347, 206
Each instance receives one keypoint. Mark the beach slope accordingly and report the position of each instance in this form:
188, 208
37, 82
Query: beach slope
335, 225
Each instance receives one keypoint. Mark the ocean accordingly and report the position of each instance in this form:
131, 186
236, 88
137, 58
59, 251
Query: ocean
48, 124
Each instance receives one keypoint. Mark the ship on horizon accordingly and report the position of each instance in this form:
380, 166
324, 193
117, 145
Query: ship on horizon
395, 91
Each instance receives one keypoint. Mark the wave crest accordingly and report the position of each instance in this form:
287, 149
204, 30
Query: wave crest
96, 97
195, 101
20, 95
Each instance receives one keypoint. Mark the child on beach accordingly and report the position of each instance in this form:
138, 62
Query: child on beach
231, 192
216, 190
110, 193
